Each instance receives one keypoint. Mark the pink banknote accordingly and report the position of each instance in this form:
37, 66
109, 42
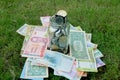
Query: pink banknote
45, 20
37, 44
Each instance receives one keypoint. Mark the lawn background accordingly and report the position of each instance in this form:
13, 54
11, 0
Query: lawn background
99, 17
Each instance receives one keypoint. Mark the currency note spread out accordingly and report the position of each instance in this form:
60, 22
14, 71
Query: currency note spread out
83, 54
78, 46
36, 44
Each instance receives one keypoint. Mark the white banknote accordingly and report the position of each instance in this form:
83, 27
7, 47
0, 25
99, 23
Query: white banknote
56, 60
22, 30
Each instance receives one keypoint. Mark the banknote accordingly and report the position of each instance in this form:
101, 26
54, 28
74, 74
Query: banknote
79, 28
90, 44
36, 45
97, 53
22, 76
22, 30
88, 37
33, 71
45, 20
77, 78
78, 46
29, 31
70, 75
99, 62
24, 44
25, 41
66, 63
88, 65
48, 61
56, 60
72, 28
84, 74
59, 61
37, 61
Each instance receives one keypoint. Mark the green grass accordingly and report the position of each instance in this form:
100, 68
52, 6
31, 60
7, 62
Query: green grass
100, 17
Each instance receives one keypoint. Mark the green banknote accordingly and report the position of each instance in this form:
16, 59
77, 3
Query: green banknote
33, 71
88, 65
78, 46
98, 53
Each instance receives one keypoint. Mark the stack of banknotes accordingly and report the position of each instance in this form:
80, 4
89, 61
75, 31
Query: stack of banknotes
82, 58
